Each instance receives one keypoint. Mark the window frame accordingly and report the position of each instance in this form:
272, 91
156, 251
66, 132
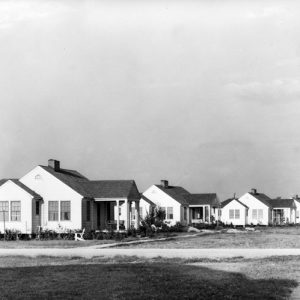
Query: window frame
6, 212
55, 212
63, 210
170, 213
15, 215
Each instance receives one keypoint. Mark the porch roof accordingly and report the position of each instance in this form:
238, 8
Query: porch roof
283, 203
202, 199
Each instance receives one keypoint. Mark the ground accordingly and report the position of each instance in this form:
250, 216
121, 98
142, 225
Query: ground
263, 237
136, 278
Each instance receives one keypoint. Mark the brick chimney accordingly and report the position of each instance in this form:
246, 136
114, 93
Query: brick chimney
54, 164
165, 183
254, 191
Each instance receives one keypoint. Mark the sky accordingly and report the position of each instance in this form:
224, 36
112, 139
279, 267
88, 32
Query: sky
205, 94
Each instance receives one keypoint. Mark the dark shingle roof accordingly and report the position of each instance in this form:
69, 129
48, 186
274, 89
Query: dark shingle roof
176, 192
22, 186
71, 178
282, 203
96, 188
225, 202
202, 199
112, 189
263, 198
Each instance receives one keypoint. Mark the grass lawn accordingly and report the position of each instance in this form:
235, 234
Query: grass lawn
265, 237
137, 278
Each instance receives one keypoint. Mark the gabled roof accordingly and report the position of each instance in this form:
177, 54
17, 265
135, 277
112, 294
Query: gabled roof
22, 186
225, 202
262, 198
111, 189
175, 192
202, 199
282, 203
147, 200
71, 178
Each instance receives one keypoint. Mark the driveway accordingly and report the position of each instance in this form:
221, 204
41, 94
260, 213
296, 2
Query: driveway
150, 253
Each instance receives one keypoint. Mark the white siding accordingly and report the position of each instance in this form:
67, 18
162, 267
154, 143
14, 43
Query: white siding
161, 199
297, 211
234, 205
255, 204
52, 189
9, 191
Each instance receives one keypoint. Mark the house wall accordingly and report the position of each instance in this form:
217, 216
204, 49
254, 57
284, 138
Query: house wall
9, 191
52, 189
234, 205
254, 203
297, 219
161, 199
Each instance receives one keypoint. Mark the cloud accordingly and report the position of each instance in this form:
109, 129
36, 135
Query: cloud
278, 90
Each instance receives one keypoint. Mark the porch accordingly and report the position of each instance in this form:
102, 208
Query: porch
283, 216
200, 214
116, 214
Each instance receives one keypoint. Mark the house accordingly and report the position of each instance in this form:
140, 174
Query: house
283, 211
234, 212
170, 198
297, 203
260, 207
259, 210
52, 197
203, 208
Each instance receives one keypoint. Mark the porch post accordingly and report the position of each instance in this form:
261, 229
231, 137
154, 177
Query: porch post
118, 215
209, 213
203, 209
127, 215
137, 214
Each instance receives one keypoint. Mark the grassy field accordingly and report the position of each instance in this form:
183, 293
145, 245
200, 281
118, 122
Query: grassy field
265, 237
136, 278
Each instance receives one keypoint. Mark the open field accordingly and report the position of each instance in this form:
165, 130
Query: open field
264, 237
136, 278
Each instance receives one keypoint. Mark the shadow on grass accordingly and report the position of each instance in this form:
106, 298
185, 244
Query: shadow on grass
136, 281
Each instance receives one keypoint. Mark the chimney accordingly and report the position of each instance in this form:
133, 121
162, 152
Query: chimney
253, 191
54, 164
165, 183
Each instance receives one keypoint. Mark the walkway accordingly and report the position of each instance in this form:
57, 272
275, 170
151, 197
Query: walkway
150, 253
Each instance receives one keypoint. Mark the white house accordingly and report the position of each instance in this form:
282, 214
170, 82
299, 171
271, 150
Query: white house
283, 211
297, 203
260, 207
19, 206
171, 199
203, 208
234, 212
52, 197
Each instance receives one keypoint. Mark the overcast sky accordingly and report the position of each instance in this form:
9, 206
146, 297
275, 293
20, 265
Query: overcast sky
202, 93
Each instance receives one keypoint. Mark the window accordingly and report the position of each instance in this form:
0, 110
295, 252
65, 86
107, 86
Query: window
133, 213
231, 213
37, 208
170, 213
38, 177
3, 210
184, 213
164, 211
65, 210
53, 210
254, 214
141, 212
88, 210
234, 213
15, 214
237, 213
257, 214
